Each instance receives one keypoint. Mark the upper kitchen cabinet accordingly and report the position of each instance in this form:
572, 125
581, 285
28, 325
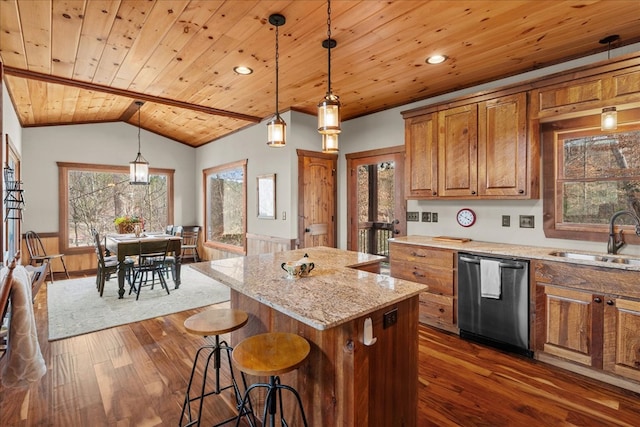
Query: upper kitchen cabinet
483, 151
421, 151
458, 151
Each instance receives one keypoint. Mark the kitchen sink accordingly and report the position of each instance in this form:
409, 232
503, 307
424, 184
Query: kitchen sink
595, 257
585, 257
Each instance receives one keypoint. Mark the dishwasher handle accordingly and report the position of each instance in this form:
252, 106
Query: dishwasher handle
503, 264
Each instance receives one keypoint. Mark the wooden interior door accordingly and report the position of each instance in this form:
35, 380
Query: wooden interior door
376, 207
317, 192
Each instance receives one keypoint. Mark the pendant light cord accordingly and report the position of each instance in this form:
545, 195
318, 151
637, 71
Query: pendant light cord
329, 46
277, 70
139, 106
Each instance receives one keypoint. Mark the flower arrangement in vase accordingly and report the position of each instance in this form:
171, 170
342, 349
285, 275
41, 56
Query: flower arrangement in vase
126, 224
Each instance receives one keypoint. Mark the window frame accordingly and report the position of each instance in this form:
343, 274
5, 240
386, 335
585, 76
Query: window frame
552, 194
218, 245
63, 210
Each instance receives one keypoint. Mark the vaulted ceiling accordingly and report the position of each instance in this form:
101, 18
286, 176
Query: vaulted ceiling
88, 61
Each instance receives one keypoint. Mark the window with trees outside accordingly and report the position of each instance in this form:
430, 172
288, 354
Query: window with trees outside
93, 196
226, 206
592, 175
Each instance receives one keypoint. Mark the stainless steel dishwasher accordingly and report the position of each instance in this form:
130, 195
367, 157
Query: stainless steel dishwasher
501, 321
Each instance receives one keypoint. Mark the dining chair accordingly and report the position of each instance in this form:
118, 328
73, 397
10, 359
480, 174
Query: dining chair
107, 265
38, 255
189, 246
168, 229
152, 256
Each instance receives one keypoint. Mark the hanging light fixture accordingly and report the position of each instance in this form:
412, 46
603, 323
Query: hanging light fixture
139, 168
276, 127
329, 107
609, 119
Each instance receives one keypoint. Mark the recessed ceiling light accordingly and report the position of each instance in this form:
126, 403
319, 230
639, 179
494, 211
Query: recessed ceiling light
436, 59
242, 70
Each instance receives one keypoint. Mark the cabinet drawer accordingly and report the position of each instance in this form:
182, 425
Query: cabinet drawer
437, 309
423, 255
439, 280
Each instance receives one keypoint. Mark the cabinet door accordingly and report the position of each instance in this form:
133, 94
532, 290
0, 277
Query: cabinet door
573, 328
421, 176
502, 146
458, 151
622, 337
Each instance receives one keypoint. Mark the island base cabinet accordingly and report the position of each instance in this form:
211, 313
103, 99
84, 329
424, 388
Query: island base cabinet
622, 337
344, 382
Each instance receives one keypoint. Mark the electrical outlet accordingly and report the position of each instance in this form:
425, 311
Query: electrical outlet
527, 221
434, 216
426, 216
506, 221
413, 216
390, 318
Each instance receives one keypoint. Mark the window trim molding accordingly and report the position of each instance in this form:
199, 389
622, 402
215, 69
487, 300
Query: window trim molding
549, 137
63, 208
218, 245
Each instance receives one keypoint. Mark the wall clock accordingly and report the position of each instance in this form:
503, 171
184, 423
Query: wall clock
466, 217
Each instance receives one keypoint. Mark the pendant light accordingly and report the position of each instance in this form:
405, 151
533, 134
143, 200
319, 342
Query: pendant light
609, 119
276, 127
139, 168
329, 107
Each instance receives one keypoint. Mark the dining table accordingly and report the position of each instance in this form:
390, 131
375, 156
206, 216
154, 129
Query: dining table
126, 245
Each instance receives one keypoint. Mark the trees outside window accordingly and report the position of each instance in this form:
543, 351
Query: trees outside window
93, 196
225, 202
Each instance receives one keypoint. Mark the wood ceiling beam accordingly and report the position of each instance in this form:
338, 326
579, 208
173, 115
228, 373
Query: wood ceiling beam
26, 74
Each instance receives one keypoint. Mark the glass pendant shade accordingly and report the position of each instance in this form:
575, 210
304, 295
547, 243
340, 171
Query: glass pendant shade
330, 143
139, 171
609, 119
329, 115
276, 132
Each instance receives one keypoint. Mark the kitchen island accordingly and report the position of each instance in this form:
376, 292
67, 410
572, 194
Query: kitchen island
344, 382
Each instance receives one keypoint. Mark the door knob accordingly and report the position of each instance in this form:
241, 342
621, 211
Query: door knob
306, 230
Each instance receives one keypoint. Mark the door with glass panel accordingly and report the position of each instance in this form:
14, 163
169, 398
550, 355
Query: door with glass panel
375, 198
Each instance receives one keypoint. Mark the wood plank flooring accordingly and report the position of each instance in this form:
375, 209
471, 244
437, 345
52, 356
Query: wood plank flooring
136, 375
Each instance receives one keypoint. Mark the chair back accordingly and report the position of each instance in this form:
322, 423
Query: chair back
34, 245
190, 236
152, 253
97, 244
169, 229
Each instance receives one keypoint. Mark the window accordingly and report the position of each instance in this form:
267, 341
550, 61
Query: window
225, 204
92, 196
588, 176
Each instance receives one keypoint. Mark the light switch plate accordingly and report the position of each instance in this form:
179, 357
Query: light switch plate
506, 221
426, 216
413, 216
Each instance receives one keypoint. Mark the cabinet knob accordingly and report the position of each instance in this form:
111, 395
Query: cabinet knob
473, 192
610, 302
597, 299
434, 194
520, 191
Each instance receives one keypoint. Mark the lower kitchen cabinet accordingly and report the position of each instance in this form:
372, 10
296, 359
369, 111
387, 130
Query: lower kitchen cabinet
622, 337
432, 267
583, 317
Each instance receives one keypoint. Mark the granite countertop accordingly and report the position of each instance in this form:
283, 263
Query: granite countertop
516, 251
334, 293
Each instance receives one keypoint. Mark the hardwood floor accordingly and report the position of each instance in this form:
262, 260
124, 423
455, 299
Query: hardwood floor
135, 375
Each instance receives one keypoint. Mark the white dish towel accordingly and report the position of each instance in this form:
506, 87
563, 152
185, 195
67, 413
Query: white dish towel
490, 281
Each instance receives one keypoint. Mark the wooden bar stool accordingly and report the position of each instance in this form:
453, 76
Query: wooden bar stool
207, 323
270, 354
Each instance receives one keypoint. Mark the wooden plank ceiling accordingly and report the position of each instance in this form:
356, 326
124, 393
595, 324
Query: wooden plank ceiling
87, 61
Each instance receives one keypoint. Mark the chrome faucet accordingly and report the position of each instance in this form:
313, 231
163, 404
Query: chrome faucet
616, 242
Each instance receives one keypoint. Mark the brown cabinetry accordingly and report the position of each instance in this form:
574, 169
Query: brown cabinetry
434, 268
478, 150
582, 317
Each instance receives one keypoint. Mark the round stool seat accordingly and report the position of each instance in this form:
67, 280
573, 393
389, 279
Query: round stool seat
216, 321
270, 354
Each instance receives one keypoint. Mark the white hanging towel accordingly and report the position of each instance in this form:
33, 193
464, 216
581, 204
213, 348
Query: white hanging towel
490, 281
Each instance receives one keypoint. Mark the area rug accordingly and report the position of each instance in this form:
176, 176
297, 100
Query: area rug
75, 307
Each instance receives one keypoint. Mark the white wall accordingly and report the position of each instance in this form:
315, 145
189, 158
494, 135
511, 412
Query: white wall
105, 143
10, 123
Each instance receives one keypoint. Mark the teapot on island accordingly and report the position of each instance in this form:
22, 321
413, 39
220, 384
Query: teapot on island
302, 267
305, 265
